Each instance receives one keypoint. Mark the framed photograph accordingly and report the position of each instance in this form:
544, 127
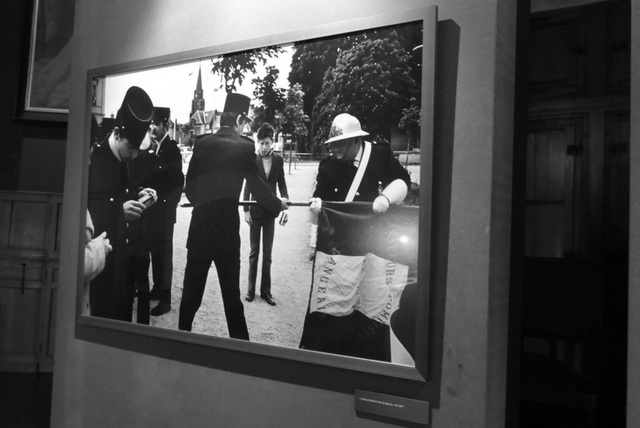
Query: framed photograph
48, 71
397, 113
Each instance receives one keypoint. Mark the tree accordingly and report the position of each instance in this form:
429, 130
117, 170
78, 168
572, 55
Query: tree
272, 98
372, 81
293, 119
233, 67
314, 64
308, 65
410, 123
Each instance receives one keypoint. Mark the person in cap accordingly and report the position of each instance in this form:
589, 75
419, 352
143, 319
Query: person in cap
218, 167
271, 170
113, 203
158, 166
356, 170
384, 181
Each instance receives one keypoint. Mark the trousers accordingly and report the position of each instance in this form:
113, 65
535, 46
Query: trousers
264, 225
214, 237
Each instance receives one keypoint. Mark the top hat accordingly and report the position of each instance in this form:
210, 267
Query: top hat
345, 126
161, 114
134, 115
238, 103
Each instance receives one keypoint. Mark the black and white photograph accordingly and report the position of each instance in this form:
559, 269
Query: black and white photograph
319, 214
286, 263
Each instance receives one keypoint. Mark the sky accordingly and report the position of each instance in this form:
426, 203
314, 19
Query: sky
174, 86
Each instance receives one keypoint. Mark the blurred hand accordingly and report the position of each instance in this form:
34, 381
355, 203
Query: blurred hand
132, 210
102, 238
315, 205
283, 204
247, 217
380, 204
150, 191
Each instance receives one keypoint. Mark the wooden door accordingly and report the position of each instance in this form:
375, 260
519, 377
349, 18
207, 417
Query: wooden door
556, 149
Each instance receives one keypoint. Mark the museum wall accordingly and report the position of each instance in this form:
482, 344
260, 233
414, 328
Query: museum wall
96, 385
32, 153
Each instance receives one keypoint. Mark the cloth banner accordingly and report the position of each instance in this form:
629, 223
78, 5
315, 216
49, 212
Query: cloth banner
362, 264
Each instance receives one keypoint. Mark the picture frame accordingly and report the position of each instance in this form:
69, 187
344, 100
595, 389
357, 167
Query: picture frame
311, 368
45, 89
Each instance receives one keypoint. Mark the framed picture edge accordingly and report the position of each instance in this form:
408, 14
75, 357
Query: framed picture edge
23, 111
296, 366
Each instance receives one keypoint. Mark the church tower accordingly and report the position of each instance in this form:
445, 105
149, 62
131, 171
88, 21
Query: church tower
198, 100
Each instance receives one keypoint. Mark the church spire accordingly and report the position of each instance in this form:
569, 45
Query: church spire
198, 99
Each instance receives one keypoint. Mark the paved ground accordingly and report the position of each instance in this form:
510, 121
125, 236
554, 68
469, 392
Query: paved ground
291, 274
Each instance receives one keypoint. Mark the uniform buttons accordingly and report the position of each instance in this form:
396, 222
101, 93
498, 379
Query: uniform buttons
335, 190
110, 199
126, 241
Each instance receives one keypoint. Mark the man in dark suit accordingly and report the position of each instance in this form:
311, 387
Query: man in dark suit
219, 164
113, 203
159, 167
271, 170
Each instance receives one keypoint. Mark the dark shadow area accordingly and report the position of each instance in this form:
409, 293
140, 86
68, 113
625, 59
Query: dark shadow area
25, 399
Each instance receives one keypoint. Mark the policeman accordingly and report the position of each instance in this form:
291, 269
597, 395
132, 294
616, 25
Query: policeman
113, 203
357, 170
218, 167
159, 167
383, 180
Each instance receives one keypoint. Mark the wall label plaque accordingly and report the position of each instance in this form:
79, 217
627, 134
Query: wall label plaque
392, 406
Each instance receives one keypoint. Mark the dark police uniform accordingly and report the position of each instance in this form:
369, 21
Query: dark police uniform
335, 177
219, 164
163, 173
110, 294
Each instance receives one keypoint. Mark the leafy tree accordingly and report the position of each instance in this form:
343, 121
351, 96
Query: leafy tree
372, 81
293, 119
233, 67
272, 98
410, 122
308, 65
314, 64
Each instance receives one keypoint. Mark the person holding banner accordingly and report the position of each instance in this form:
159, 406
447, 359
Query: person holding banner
381, 180
219, 165
357, 170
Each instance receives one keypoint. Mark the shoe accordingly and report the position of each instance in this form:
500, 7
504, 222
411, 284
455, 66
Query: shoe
161, 309
249, 297
269, 299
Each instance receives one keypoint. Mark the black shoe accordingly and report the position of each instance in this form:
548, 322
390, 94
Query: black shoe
249, 297
269, 299
161, 309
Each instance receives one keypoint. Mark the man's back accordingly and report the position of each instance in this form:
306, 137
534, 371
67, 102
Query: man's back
218, 166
